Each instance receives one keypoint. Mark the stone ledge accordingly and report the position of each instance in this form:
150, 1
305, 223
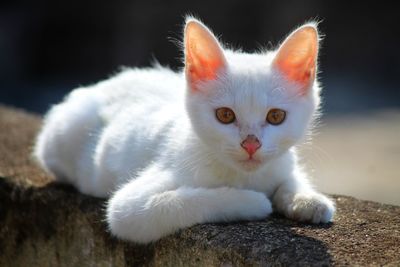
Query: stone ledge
48, 224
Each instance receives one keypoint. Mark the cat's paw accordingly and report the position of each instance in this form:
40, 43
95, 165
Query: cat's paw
259, 207
235, 204
314, 208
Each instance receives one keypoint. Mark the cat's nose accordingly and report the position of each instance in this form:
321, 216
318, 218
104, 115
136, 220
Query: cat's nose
251, 144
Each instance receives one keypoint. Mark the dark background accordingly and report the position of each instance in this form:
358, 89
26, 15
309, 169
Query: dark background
47, 48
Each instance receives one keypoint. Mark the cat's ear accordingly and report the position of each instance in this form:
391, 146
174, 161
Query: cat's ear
297, 56
204, 57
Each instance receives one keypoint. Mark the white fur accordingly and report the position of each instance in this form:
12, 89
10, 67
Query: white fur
155, 148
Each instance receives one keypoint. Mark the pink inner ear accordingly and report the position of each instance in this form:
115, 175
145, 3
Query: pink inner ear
203, 55
297, 56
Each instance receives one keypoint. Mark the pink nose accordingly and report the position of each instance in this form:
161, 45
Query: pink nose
251, 144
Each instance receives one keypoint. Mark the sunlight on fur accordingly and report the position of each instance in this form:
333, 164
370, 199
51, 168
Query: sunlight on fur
152, 142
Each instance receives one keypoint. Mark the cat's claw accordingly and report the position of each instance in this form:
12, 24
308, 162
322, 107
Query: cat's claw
314, 208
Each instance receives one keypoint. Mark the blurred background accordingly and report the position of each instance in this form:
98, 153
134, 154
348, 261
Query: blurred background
47, 48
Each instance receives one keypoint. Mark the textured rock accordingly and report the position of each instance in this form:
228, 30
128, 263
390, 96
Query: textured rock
48, 224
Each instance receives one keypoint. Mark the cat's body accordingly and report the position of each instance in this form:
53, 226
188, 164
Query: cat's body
104, 123
149, 139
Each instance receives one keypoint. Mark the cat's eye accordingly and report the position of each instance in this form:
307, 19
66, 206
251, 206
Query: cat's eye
276, 116
225, 115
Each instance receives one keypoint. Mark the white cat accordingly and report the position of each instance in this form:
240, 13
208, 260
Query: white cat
214, 143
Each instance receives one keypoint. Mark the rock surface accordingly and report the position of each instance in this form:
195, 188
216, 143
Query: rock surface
48, 224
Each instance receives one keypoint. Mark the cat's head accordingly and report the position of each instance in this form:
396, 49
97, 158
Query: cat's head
250, 108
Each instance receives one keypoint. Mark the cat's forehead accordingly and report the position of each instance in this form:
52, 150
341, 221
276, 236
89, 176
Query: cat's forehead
248, 91
252, 70
250, 84
255, 61
251, 77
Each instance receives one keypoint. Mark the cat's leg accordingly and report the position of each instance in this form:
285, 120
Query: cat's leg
144, 212
297, 200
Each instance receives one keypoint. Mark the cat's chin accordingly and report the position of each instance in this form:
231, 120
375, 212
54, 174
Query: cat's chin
250, 164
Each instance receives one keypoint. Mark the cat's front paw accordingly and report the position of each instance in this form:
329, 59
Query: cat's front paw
259, 207
242, 205
314, 208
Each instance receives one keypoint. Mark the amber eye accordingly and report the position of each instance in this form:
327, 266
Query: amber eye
225, 115
276, 116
